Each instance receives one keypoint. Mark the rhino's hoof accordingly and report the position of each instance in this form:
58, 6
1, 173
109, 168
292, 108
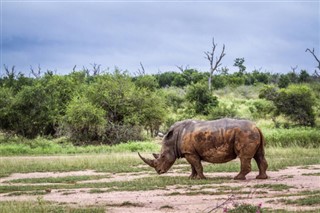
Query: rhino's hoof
239, 177
264, 176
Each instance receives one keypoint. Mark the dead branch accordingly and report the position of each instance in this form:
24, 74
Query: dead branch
96, 69
37, 73
214, 64
314, 55
294, 68
141, 72
10, 73
230, 198
182, 69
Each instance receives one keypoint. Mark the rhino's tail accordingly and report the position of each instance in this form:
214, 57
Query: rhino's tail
260, 158
260, 151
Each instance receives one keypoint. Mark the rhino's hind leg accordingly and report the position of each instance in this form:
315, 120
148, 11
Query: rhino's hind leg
197, 169
262, 165
193, 173
245, 168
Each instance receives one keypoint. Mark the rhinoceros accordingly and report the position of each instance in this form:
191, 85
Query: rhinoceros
217, 141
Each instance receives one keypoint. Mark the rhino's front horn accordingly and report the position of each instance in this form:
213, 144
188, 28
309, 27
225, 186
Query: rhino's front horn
147, 161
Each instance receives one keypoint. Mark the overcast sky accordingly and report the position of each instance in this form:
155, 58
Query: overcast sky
57, 35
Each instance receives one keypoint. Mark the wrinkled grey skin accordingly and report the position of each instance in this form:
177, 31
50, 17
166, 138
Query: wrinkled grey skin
211, 141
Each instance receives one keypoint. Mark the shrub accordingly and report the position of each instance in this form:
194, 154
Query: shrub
201, 98
261, 108
297, 102
223, 110
85, 121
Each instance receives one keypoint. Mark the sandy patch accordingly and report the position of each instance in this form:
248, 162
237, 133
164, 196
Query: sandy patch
206, 198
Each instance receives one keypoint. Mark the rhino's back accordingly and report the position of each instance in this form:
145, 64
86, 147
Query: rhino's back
214, 141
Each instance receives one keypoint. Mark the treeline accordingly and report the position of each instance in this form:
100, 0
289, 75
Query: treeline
224, 78
108, 108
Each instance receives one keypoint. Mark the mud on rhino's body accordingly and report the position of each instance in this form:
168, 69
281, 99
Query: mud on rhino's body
212, 141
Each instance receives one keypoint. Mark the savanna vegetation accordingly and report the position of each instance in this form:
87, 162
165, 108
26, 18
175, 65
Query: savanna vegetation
92, 112
106, 108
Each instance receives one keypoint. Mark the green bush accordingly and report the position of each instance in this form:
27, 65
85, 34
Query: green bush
261, 108
85, 121
222, 110
201, 98
174, 97
297, 102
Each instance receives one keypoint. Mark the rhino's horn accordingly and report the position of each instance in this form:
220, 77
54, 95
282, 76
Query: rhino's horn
156, 156
147, 161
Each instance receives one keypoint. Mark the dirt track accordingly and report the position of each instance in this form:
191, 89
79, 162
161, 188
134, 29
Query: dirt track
291, 183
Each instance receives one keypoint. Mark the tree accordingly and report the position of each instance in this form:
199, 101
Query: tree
215, 62
297, 102
238, 62
315, 57
84, 121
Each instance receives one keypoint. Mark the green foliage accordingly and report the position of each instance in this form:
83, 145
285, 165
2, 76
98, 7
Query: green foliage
35, 109
238, 62
268, 92
44, 206
147, 81
261, 108
174, 97
222, 110
297, 102
284, 81
84, 121
201, 98
246, 208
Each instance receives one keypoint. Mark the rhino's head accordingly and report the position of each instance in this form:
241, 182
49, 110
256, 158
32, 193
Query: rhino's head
162, 162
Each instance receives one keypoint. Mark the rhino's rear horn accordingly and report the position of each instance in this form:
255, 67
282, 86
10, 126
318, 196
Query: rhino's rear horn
156, 156
147, 161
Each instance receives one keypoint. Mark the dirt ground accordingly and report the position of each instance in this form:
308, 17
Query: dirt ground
205, 198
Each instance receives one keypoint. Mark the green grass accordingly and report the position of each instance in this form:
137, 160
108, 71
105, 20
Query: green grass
68, 179
299, 137
274, 187
141, 184
111, 162
305, 201
278, 158
312, 174
15, 146
44, 206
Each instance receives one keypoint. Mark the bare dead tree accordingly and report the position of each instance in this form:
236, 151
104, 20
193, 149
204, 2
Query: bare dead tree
294, 68
96, 68
74, 68
182, 69
10, 73
314, 55
141, 72
215, 62
37, 73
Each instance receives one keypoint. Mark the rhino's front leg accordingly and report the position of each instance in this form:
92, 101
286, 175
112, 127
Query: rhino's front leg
197, 169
